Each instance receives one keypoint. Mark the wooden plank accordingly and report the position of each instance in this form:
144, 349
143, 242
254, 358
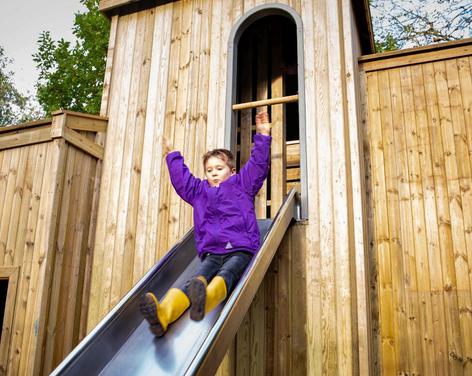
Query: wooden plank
11, 274
25, 126
150, 199
393, 266
26, 137
298, 297
313, 258
341, 204
21, 332
259, 320
278, 169
443, 215
106, 5
136, 163
415, 56
194, 95
355, 107
95, 174
82, 208
261, 50
168, 105
246, 95
283, 312
176, 204
431, 224
293, 154
107, 80
56, 319
5, 157
444, 73
108, 295
213, 91
10, 173
463, 158
295, 185
407, 238
120, 283
16, 206
44, 256
83, 143
382, 245
98, 305
465, 80
33, 293
293, 173
226, 25
418, 223
26, 192
166, 190
278, 99
86, 124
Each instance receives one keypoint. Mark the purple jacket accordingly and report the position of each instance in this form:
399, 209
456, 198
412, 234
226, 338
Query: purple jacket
224, 216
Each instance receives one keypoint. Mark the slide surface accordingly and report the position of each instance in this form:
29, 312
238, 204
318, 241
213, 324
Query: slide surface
122, 342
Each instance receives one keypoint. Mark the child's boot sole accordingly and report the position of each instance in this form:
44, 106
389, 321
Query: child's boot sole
148, 308
197, 296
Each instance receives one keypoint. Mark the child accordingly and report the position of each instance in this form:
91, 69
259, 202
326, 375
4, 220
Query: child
226, 231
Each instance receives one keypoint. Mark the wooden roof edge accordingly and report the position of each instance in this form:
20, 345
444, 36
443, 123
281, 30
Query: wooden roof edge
112, 8
415, 50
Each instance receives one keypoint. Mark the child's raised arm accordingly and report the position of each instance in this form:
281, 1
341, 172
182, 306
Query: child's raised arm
256, 169
184, 183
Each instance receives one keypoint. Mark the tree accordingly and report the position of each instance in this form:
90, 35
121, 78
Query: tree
14, 107
72, 77
410, 23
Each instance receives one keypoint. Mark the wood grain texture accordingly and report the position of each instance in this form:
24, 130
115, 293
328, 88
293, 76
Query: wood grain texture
420, 152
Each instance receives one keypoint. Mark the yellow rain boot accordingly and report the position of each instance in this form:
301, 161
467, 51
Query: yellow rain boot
160, 315
204, 298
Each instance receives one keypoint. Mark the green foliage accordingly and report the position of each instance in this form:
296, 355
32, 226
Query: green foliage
71, 77
412, 23
389, 43
14, 107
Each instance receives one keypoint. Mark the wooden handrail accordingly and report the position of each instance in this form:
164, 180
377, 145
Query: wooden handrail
265, 102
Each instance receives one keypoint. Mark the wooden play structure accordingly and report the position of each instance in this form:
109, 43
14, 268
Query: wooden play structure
375, 278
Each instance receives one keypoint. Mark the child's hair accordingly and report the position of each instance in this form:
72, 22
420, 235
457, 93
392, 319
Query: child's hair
222, 154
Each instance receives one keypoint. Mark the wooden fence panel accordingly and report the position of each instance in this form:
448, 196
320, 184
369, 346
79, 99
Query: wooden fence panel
418, 131
46, 191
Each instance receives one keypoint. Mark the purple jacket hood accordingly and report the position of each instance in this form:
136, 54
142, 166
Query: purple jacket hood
224, 217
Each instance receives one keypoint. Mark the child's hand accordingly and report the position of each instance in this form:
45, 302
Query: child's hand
262, 123
166, 145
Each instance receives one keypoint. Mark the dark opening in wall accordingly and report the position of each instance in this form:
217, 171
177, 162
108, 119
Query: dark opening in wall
3, 300
266, 62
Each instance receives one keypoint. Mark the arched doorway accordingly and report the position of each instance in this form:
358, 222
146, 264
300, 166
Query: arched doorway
265, 62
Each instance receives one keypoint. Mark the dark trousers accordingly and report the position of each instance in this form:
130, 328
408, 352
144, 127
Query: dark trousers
230, 267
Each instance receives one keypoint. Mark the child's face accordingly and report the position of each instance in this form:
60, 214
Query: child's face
217, 171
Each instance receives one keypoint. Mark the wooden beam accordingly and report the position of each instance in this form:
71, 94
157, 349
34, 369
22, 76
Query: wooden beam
29, 125
442, 51
28, 137
86, 124
83, 143
265, 102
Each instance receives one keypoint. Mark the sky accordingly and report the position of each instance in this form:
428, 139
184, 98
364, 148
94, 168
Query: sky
21, 22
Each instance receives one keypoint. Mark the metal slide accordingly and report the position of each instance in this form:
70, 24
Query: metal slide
122, 343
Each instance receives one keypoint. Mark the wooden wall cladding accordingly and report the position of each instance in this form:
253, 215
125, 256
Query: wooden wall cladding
419, 132
47, 183
166, 75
